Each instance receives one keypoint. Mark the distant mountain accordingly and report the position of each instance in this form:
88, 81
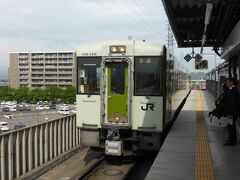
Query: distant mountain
197, 75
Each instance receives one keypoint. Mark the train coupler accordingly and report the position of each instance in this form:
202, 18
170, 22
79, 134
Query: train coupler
113, 144
114, 148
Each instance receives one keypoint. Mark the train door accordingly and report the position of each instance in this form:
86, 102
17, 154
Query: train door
169, 88
116, 93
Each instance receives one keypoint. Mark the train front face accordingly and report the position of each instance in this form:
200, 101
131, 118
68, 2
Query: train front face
119, 101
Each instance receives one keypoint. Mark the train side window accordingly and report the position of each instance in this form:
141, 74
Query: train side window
147, 76
222, 79
88, 79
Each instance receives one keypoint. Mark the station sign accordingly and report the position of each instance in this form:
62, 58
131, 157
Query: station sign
197, 57
188, 57
201, 65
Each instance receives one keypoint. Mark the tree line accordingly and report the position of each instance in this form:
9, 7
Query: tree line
52, 94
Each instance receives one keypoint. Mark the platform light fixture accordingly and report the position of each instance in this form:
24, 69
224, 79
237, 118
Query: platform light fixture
209, 7
204, 37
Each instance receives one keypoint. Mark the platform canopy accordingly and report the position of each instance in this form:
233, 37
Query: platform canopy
202, 23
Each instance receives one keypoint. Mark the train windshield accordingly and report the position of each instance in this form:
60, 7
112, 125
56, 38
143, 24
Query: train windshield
147, 76
88, 78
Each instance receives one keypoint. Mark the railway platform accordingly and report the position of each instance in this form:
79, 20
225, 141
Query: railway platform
194, 146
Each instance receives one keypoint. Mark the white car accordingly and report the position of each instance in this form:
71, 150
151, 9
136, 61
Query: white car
64, 106
63, 111
12, 108
74, 111
46, 107
4, 126
8, 116
40, 108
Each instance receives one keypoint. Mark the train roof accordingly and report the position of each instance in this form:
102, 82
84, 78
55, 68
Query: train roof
136, 48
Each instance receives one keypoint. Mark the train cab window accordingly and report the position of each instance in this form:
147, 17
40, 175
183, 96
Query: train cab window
88, 79
147, 76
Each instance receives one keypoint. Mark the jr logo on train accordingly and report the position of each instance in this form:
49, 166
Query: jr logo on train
148, 106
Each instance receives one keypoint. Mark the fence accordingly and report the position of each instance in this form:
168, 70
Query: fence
25, 149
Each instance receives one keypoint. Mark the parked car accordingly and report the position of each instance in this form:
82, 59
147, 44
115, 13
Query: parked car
4, 126
2, 103
63, 111
19, 126
27, 108
24, 108
12, 108
40, 107
64, 106
20, 108
52, 106
22, 105
8, 116
39, 103
46, 107
74, 111
5, 109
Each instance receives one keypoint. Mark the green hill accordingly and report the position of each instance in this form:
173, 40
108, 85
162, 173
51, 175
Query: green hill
197, 75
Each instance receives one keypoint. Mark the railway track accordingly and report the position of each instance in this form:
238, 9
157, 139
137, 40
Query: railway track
91, 165
111, 168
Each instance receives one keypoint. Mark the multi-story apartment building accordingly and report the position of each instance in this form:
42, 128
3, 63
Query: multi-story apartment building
41, 69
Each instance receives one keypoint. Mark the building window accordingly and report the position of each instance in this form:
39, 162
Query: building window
88, 75
147, 76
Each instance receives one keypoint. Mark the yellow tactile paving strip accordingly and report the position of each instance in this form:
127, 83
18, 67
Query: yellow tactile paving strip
203, 160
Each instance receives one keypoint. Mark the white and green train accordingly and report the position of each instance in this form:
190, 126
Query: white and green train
125, 94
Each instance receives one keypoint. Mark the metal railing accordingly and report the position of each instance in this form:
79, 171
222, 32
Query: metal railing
26, 149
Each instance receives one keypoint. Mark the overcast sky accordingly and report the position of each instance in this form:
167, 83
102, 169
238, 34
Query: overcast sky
48, 25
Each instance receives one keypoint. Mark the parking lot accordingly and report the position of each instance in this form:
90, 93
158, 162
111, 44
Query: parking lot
29, 118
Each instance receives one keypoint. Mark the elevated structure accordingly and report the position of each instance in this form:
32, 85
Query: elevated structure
208, 23
202, 23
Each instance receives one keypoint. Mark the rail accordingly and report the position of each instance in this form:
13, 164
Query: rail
25, 149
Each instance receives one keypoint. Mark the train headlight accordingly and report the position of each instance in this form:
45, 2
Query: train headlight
118, 49
113, 49
122, 49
